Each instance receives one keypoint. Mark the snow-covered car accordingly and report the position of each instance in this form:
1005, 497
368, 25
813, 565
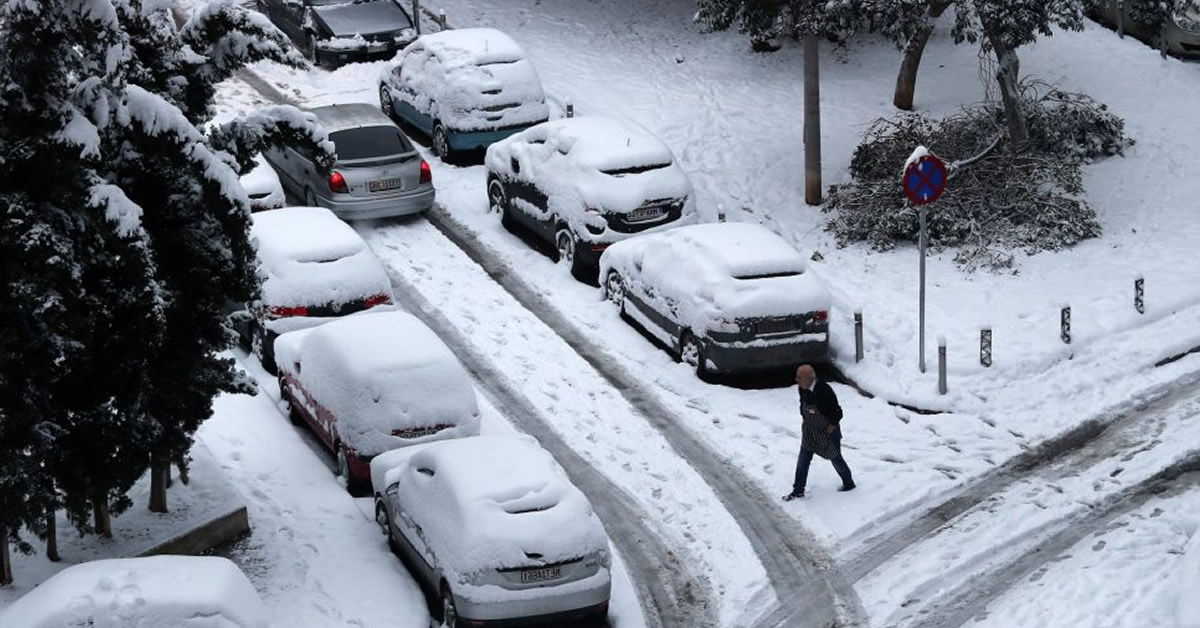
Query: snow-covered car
464, 88
724, 297
493, 527
263, 187
314, 269
334, 32
1180, 34
377, 174
373, 382
149, 592
584, 183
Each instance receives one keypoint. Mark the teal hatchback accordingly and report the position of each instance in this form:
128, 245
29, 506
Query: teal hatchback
464, 89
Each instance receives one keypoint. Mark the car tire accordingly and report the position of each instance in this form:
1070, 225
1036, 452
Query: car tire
441, 143
691, 352
343, 469
449, 611
614, 290
565, 244
385, 102
498, 202
384, 520
285, 395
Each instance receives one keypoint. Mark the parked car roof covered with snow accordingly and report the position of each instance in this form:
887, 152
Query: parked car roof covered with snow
308, 256
149, 592
382, 375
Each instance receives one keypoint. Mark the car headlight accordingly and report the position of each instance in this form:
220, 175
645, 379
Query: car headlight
600, 558
727, 325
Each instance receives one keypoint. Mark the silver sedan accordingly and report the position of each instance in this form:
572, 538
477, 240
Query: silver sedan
377, 174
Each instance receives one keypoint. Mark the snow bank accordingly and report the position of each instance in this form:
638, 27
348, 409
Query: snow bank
1187, 608
491, 500
151, 592
307, 256
380, 374
733, 270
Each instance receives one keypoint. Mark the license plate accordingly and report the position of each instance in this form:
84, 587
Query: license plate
531, 576
383, 185
417, 432
642, 214
776, 326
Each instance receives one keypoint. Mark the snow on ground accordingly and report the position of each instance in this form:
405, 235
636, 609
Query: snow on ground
1124, 576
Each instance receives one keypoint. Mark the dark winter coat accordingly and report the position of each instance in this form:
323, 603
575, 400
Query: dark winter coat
819, 409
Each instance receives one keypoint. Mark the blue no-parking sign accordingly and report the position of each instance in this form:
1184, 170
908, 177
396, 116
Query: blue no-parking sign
925, 180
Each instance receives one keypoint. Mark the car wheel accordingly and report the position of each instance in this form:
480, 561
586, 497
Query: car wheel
441, 144
691, 352
498, 202
385, 102
614, 290
449, 612
385, 525
285, 395
343, 469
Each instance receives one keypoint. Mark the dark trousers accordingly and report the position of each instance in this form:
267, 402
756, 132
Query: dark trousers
802, 464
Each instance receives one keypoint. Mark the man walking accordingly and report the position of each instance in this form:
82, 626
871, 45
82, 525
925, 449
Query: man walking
819, 434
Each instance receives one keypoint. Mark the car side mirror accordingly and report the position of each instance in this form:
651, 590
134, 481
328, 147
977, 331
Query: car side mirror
516, 166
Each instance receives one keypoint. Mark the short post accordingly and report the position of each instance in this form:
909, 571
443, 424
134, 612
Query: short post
1121, 19
720, 212
1139, 294
416, 15
858, 335
1065, 324
985, 346
942, 365
570, 109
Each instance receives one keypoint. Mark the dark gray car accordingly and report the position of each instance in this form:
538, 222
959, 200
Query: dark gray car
377, 174
334, 32
1180, 35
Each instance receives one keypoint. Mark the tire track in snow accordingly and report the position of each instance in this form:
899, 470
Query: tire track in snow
956, 606
810, 589
665, 589
1086, 443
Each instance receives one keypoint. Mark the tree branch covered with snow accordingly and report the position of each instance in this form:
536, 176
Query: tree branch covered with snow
997, 200
230, 37
246, 136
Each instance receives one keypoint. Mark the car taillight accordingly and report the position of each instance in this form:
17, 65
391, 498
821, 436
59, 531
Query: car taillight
378, 299
337, 183
426, 173
820, 316
283, 311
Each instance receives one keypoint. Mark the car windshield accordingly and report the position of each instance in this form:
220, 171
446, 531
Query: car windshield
788, 273
369, 142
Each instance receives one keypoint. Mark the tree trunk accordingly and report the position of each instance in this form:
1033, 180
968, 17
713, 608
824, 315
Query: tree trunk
160, 469
102, 521
906, 80
6, 575
1008, 74
52, 536
812, 121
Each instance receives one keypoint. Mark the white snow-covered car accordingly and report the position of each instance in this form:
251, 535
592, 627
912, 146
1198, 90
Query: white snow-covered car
263, 187
373, 382
493, 526
149, 592
314, 269
582, 184
725, 297
464, 88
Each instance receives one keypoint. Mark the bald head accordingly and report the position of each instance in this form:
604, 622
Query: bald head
805, 376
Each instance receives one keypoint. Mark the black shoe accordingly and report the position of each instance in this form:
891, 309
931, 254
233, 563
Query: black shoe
793, 495
847, 487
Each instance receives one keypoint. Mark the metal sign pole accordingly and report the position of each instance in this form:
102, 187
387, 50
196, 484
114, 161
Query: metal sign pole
921, 211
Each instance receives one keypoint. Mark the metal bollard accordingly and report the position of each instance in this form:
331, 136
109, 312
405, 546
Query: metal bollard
416, 13
858, 335
570, 109
1139, 294
985, 346
942, 365
1065, 324
441, 19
